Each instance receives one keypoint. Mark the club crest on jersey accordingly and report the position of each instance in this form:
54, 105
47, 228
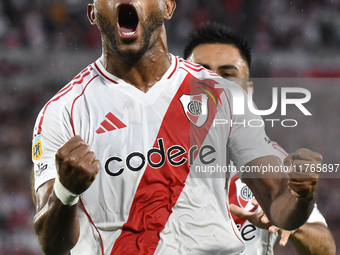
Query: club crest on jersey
195, 108
244, 195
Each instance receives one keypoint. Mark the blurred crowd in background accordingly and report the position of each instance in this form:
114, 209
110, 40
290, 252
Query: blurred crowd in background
45, 43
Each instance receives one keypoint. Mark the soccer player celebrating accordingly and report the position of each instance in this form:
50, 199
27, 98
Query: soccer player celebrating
115, 151
222, 51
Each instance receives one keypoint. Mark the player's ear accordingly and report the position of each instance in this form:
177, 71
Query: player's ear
250, 84
90, 14
170, 6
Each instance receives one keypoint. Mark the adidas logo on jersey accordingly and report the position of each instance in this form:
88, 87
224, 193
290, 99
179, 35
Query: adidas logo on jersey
109, 124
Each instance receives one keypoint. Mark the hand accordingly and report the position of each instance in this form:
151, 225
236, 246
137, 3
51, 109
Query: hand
285, 234
302, 180
77, 166
258, 219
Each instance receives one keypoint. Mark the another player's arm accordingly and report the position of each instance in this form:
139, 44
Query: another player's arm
55, 223
287, 200
310, 239
313, 239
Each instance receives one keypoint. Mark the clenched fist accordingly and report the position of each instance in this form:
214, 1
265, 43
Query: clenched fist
77, 166
302, 180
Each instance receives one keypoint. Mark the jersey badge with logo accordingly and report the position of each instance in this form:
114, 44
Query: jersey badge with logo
37, 150
195, 108
244, 195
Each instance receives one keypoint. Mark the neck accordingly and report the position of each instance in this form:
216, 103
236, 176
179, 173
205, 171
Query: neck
145, 72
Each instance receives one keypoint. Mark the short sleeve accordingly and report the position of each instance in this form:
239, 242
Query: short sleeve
248, 139
51, 131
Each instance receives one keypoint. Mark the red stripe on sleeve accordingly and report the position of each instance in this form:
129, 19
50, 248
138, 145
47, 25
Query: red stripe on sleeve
75, 80
60, 94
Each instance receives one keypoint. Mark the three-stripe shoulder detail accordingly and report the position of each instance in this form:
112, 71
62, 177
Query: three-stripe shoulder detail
78, 80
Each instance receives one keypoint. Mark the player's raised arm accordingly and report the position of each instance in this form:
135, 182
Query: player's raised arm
56, 222
287, 200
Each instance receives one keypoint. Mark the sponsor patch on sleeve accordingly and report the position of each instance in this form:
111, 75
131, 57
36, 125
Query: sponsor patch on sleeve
37, 148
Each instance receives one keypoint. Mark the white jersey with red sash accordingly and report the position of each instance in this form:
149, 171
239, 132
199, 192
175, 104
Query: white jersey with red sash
258, 241
153, 193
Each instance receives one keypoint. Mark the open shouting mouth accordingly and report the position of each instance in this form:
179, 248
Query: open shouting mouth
127, 21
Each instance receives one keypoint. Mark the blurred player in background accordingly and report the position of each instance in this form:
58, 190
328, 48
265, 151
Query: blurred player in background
115, 150
222, 51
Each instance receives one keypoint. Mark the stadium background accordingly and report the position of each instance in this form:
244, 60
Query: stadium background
45, 43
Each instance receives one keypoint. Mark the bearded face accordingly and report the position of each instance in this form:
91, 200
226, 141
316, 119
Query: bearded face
129, 31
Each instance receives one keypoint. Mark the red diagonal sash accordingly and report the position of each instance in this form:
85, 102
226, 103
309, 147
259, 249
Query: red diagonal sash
160, 188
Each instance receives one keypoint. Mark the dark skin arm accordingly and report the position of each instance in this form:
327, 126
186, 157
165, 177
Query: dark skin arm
287, 200
313, 239
54, 217
310, 239
56, 224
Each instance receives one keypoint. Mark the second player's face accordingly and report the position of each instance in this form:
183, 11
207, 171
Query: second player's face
129, 27
223, 59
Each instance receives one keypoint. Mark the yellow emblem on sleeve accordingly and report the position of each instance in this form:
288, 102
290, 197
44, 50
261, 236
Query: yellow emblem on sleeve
37, 148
